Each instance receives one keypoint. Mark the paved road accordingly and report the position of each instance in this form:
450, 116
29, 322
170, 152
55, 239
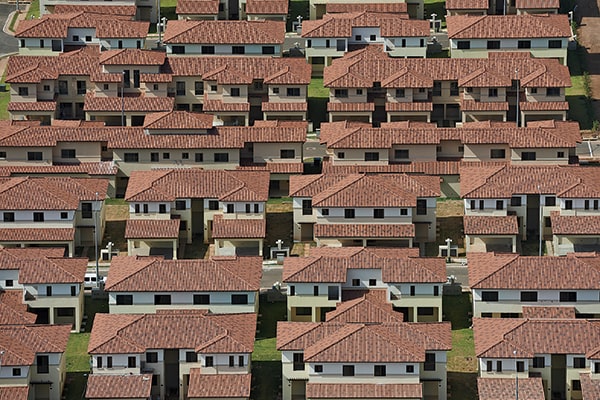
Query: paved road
584, 149
460, 272
8, 44
313, 149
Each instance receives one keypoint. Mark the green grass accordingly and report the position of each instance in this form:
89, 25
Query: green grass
316, 89
580, 105
34, 9
279, 200
4, 100
78, 359
11, 27
116, 202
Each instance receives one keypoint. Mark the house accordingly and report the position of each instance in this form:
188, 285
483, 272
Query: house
537, 6
196, 10
209, 37
204, 202
506, 202
118, 386
138, 285
332, 36
51, 212
33, 361
324, 360
414, 8
54, 32
12, 309
557, 351
364, 209
495, 388
467, 7
159, 346
328, 277
491, 7
503, 285
272, 10
369, 86
541, 35
269, 10
139, 9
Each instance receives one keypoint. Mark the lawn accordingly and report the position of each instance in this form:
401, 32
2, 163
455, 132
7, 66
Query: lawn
317, 101
580, 107
78, 359
34, 9
4, 100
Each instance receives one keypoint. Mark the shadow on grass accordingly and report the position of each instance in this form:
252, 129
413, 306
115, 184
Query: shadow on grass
266, 380
115, 232
280, 225
317, 108
75, 385
93, 307
457, 310
462, 385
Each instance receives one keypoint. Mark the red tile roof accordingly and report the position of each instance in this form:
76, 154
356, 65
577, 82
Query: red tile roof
128, 103
467, 4
364, 390
523, 26
151, 274
183, 120
32, 106
132, 57
52, 270
490, 225
370, 307
221, 106
268, 106
419, 167
238, 228
14, 392
392, 8
152, 228
91, 169
330, 264
375, 231
21, 343
197, 7
341, 24
218, 386
409, 106
590, 388
267, 7
275, 167
224, 32
10, 256
498, 337
502, 388
170, 329
471, 105
349, 107
575, 224
549, 312
544, 106
511, 271
34, 69
168, 185
37, 235
101, 386
537, 4
97, 9
12, 309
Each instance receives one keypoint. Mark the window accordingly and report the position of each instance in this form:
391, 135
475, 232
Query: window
597, 368
162, 208
180, 88
239, 299
207, 49
325, 212
209, 361
552, 92
424, 310
131, 362
533, 90
230, 209
166, 156
515, 201
547, 222
9, 283
268, 49
81, 87
234, 92
9, 217
145, 207
73, 290
248, 208
289, 153
303, 311
568, 204
436, 290
349, 213
497, 153
333, 293
404, 211
41, 43
221, 157
240, 361
43, 364
372, 282
379, 370
578, 362
489, 366
16, 372
429, 362
318, 368
213, 204
357, 37
595, 204
437, 88
400, 93
412, 290
569, 297
560, 154
481, 204
275, 90
293, 92
191, 356
152, 357
162, 299
499, 366
401, 153
359, 92
201, 299
38, 216
34, 156
46, 88
528, 156
298, 361
342, 93
421, 207
65, 312
520, 366
309, 43
198, 157
371, 156
137, 208
180, 205
576, 385
463, 45
554, 44
499, 204
529, 296
378, 213
124, 299
539, 362
493, 92
63, 87
355, 282
315, 290
198, 88
291, 290
154, 157
231, 361
23, 91
347, 370
341, 154
410, 369
86, 210
524, 44
131, 157
550, 201
372, 37
99, 362
307, 207
238, 50
213, 88
493, 44
489, 296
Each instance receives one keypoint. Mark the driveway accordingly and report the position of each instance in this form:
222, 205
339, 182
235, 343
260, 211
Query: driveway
8, 44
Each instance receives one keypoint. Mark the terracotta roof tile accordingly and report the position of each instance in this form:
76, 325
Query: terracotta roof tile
267, 7
150, 274
367, 308
32, 106
501, 388
218, 386
221, 106
34, 69
467, 5
152, 228
590, 388
544, 106
549, 312
275, 167
471, 105
370, 7
20, 343
37, 235
91, 169
178, 120
537, 4
496, 225
14, 392
575, 224
128, 103
364, 390
98, 9
224, 32
348, 107
169, 329
52, 270
132, 57
197, 7
12, 309
101, 386
269, 106
341, 24
508, 26
238, 228
364, 231
419, 167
